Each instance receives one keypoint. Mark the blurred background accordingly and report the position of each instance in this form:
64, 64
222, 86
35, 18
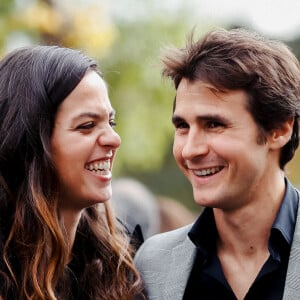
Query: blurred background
126, 37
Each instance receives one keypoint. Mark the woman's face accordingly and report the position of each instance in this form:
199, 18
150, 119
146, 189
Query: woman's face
84, 144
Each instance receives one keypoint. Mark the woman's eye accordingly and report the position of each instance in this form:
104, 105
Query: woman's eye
86, 126
112, 123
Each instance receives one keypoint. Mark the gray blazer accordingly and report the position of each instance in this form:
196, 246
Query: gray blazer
165, 262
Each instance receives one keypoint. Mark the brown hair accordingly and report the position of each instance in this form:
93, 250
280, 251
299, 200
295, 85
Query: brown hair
239, 59
34, 81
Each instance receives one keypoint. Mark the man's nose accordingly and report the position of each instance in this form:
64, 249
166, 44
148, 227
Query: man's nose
196, 145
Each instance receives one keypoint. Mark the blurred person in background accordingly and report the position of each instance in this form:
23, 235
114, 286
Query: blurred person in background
140, 209
59, 238
135, 205
236, 119
173, 214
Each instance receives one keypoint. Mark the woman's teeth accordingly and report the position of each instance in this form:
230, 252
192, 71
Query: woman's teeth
101, 167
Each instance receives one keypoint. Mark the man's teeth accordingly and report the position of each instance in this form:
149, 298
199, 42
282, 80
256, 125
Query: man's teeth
101, 167
206, 172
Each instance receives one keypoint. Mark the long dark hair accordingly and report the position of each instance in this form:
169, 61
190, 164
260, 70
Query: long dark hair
33, 83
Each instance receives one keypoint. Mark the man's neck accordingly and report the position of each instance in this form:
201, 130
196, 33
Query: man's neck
243, 234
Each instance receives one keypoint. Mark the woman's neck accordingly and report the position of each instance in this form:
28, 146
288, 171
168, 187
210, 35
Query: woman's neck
69, 223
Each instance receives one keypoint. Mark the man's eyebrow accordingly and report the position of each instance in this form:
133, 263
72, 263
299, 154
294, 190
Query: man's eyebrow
176, 119
208, 117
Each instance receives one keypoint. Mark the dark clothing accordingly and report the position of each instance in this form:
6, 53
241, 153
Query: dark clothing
73, 270
207, 280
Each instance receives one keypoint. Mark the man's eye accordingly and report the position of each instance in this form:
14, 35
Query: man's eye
181, 125
214, 124
86, 126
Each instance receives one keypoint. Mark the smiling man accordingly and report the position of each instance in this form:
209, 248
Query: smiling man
236, 120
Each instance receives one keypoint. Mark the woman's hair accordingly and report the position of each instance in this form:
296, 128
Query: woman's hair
238, 59
34, 81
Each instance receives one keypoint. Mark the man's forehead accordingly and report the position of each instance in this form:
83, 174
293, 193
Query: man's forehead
194, 86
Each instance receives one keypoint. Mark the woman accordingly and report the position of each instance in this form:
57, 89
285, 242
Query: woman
58, 236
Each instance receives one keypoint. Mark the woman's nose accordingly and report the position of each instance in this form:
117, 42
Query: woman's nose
110, 138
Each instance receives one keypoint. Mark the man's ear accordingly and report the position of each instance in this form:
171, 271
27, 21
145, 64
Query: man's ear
280, 136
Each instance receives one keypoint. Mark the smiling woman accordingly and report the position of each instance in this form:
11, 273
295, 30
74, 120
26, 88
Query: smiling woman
59, 237
84, 167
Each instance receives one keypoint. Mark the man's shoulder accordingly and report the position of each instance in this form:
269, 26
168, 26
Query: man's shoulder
170, 237
163, 243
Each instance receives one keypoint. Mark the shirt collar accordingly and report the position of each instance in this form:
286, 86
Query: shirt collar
287, 214
204, 233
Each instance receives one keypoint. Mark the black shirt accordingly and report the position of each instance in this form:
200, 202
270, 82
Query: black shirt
207, 280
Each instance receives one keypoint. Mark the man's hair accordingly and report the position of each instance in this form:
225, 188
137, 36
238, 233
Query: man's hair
239, 59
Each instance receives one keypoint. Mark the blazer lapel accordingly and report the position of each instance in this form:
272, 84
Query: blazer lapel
181, 262
292, 283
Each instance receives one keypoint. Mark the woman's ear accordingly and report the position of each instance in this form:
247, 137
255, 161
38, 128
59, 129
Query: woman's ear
280, 136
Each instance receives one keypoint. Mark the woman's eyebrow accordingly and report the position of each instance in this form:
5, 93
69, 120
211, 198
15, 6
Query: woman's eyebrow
112, 113
87, 114
93, 115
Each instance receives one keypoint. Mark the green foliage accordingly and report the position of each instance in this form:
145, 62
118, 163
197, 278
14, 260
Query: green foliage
132, 69
142, 101
6, 6
293, 166
295, 46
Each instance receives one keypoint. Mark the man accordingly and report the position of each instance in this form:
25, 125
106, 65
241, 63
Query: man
236, 119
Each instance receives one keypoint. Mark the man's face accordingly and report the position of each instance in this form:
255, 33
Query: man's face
216, 145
